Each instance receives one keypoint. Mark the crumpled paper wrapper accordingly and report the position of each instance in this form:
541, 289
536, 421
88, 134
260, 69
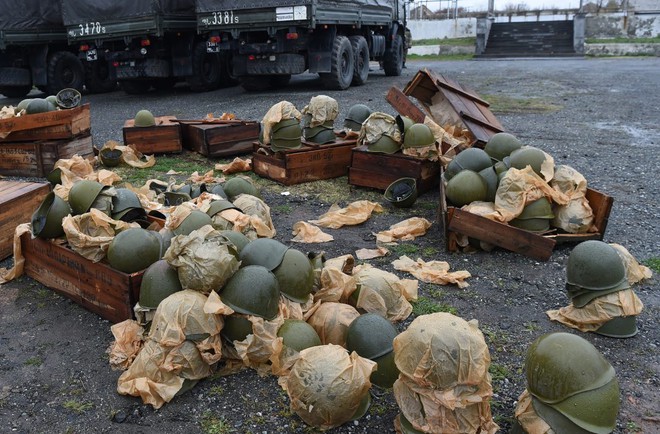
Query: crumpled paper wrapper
203, 259
598, 311
520, 187
90, 234
528, 418
377, 125
132, 156
635, 272
322, 108
8, 112
178, 214
406, 230
432, 272
331, 320
305, 233
326, 385
237, 165
384, 293
354, 214
430, 152
259, 213
335, 285
207, 177
9, 274
576, 217
128, 342
257, 349
281, 110
77, 168
364, 254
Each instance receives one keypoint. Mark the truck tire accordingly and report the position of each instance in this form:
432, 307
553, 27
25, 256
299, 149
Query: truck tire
164, 83
255, 83
15, 91
64, 71
342, 65
207, 71
98, 78
393, 61
278, 81
227, 78
361, 53
135, 87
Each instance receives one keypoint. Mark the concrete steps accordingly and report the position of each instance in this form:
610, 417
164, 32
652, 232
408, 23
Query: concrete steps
530, 39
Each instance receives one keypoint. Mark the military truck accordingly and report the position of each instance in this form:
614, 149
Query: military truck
34, 49
143, 44
269, 40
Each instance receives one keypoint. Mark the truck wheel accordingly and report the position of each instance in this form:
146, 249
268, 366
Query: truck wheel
64, 71
361, 53
393, 61
15, 91
135, 87
342, 65
98, 78
206, 69
164, 83
227, 78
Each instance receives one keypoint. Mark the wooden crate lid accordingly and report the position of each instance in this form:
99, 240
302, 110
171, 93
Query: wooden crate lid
39, 120
160, 121
12, 190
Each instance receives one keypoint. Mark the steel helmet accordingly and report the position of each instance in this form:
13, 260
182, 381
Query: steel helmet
557, 421
371, 336
418, 136
266, 252
252, 290
175, 198
357, 114
237, 239
295, 275
500, 167
195, 220
159, 281
535, 216
39, 105
110, 157
220, 205
68, 98
144, 118
83, 194
466, 187
362, 409
286, 134
619, 327
236, 328
133, 249
218, 190
298, 335
55, 176
407, 427
239, 185
47, 219
385, 144
402, 193
501, 145
166, 236
125, 201
568, 373
527, 156
474, 159
320, 134
492, 182
403, 122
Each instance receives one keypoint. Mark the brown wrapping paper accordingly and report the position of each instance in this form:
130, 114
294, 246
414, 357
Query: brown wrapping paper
406, 230
527, 417
384, 293
432, 272
331, 320
354, 214
237, 165
305, 233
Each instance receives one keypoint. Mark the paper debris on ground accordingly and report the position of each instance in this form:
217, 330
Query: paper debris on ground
354, 214
432, 272
305, 233
406, 230
237, 165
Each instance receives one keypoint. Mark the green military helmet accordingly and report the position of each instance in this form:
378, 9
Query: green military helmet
371, 336
466, 187
220, 205
237, 239
144, 118
404, 123
474, 159
159, 281
356, 116
418, 136
39, 105
236, 328
51, 99
252, 290
83, 194
166, 236
500, 167
23, 104
197, 189
320, 134
286, 134
110, 157
561, 365
535, 216
239, 185
68, 98
501, 145
407, 427
298, 335
594, 410
126, 200
557, 421
385, 144
266, 252
492, 182
195, 220
619, 327
175, 198
527, 156
133, 249
185, 189
47, 219
362, 409
295, 275
402, 193
219, 191
55, 176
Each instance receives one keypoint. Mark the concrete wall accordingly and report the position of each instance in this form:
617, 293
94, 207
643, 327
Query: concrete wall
443, 29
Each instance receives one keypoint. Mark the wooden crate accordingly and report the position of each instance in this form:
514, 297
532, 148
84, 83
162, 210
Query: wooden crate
162, 138
18, 200
220, 139
376, 170
95, 286
59, 124
37, 159
311, 162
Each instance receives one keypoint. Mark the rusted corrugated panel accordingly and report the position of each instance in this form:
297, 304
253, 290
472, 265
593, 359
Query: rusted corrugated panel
464, 105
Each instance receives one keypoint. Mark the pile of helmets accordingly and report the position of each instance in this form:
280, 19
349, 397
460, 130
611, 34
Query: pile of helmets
319, 134
595, 269
286, 134
574, 389
416, 135
380, 133
356, 116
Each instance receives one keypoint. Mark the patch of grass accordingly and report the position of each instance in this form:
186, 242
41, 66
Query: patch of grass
425, 306
498, 339
653, 264
445, 41
216, 390
184, 164
498, 372
33, 361
443, 57
426, 205
621, 40
531, 327
404, 249
43, 293
77, 406
212, 424
632, 427
508, 104
429, 251
377, 409
283, 209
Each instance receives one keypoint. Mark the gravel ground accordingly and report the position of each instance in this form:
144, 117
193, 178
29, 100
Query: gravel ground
54, 374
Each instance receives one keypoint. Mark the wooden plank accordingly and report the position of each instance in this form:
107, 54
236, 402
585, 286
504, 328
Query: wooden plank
403, 105
18, 201
38, 159
502, 235
11, 126
601, 205
164, 137
220, 140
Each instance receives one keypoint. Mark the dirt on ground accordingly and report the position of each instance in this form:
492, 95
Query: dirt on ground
599, 116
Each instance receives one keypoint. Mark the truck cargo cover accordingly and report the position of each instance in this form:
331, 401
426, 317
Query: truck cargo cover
226, 5
81, 11
29, 15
